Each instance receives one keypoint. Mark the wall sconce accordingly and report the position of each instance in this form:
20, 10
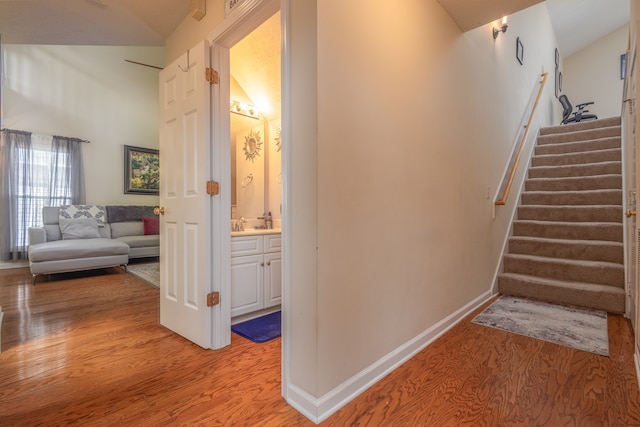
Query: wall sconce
244, 109
502, 29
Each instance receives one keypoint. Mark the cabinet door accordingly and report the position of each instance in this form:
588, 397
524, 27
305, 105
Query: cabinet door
273, 279
247, 284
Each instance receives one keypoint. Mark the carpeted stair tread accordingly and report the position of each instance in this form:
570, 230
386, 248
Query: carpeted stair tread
599, 213
579, 146
586, 250
602, 272
586, 125
608, 155
597, 182
567, 239
577, 197
596, 296
600, 168
606, 231
579, 135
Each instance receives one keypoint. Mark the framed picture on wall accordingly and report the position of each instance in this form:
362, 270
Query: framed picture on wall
141, 170
519, 51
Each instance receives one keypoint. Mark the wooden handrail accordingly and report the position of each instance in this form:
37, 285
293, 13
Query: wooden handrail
505, 193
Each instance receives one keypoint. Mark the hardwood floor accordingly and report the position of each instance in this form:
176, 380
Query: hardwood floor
86, 349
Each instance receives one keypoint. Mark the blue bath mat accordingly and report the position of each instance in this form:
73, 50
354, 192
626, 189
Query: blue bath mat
261, 329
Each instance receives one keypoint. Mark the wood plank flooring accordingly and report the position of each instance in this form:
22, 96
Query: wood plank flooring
86, 349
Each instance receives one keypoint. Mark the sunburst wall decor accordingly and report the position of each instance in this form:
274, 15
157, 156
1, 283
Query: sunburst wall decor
252, 145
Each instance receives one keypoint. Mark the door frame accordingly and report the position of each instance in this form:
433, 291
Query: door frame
245, 18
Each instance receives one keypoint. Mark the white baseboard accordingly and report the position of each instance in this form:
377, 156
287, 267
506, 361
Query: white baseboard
319, 409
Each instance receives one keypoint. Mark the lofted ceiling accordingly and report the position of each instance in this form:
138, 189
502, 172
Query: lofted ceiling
90, 22
473, 14
576, 23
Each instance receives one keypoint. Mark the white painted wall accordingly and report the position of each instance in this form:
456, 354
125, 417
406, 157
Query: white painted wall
88, 92
416, 121
191, 31
593, 74
400, 124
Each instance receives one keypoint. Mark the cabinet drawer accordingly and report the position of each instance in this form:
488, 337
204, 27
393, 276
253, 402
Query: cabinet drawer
272, 242
246, 245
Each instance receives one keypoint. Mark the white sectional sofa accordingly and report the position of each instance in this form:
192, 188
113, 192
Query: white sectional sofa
91, 239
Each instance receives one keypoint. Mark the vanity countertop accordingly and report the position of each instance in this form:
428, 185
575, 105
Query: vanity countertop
255, 232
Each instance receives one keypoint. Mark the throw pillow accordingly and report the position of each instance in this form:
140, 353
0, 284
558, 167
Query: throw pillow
80, 228
151, 225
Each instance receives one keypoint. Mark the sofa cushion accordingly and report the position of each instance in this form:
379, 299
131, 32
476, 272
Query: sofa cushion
81, 228
151, 225
120, 229
128, 213
84, 211
79, 248
140, 241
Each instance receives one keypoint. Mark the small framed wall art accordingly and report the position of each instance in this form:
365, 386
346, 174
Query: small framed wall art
141, 170
519, 51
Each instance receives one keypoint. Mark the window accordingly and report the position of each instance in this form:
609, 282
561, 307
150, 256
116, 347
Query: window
39, 170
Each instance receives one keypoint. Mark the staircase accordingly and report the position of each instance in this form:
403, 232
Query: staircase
566, 246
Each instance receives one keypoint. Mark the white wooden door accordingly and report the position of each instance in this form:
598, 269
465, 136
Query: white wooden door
185, 232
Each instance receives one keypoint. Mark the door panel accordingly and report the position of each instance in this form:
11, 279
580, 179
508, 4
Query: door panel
185, 232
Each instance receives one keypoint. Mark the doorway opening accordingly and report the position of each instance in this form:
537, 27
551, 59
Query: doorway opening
256, 172
255, 74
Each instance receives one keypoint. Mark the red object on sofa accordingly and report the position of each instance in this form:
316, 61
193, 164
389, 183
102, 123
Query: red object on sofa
151, 225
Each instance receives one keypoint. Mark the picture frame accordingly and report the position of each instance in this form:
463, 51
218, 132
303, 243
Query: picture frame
623, 65
519, 51
141, 170
560, 81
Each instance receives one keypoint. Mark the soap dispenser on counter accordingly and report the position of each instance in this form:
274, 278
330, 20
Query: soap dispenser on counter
268, 221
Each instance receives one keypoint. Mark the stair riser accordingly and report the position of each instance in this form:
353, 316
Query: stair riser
606, 182
606, 275
595, 299
586, 125
579, 136
570, 231
579, 147
601, 251
604, 168
577, 159
567, 239
570, 213
603, 197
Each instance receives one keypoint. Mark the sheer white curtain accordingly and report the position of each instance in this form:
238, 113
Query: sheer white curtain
37, 171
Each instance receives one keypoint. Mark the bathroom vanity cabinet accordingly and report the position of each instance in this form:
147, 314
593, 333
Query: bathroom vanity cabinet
256, 273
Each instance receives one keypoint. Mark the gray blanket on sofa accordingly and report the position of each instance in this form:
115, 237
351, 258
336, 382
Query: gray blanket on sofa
128, 213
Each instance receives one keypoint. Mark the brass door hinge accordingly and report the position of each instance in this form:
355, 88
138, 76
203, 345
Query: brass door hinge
213, 299
213, 188
212, 76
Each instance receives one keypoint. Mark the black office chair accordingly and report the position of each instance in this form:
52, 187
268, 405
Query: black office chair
578, 115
